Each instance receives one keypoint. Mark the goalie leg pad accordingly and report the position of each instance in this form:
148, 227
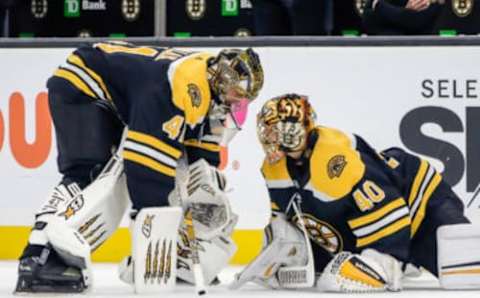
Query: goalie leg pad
95, 212
154, 250
352, 273
459, 256
214, 256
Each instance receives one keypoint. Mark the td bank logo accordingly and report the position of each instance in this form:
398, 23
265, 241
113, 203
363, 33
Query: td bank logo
72, 7
229, 8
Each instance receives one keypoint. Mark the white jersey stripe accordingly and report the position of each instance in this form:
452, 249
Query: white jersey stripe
86, 78
150, 152
279, 183
387, 220
318, 194
421, 192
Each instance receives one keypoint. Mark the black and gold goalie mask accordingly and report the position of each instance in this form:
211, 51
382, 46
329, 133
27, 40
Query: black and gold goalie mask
236, 69
283, 125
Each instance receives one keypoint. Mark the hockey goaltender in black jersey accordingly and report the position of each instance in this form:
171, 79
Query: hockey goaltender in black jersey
163, 96
354, 204
179, 107
354, 198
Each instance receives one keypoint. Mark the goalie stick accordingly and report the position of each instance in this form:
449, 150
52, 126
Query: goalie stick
196, 266
182, 180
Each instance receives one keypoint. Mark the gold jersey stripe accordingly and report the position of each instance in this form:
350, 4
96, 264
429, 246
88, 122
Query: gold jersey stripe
117, 48
202, 145
420, 215
154, 142
417, 182
75, 80
76, 60
385, 232
462, 271
149, 163
376, 215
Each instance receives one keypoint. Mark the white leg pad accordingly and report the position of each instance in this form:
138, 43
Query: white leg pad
214, 255
97, 211
154, 252
459, 256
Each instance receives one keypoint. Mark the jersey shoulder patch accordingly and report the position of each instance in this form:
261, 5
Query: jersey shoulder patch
335, 165
190, 89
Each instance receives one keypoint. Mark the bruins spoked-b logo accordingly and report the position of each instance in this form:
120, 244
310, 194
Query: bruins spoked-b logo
73, 207
360, 6
335, 166
39, 8
321, 233
195, 95
195, 8
130, 9
242, 32
462, 8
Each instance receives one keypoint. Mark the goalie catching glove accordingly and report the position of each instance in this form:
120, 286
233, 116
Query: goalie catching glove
212, 219
203, 193
286, 260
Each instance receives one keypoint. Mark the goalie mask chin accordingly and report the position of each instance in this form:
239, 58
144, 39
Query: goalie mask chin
223, 124
236, 78
283, 125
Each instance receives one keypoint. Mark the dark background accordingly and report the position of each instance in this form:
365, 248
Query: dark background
346, 19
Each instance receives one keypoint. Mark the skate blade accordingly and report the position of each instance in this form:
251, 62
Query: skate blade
26, 288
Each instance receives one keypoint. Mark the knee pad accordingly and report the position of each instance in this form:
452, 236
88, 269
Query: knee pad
458, 256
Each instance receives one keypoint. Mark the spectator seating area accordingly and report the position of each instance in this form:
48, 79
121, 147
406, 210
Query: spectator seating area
185, 18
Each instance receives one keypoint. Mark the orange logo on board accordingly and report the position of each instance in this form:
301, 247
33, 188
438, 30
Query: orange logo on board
28, 154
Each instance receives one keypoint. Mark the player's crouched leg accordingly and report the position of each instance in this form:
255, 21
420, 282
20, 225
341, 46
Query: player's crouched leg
71, 223
62, 266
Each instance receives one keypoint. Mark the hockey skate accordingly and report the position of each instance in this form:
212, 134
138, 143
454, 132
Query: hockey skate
47, 273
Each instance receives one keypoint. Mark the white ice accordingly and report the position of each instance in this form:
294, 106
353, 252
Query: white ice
108, 285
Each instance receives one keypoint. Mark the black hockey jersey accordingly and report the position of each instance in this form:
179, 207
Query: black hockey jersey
354, 198
163, 96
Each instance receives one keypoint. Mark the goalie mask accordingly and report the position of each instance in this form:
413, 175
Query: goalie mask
283, 125
236, 78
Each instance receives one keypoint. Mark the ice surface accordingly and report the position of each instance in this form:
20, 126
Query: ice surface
108, 285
